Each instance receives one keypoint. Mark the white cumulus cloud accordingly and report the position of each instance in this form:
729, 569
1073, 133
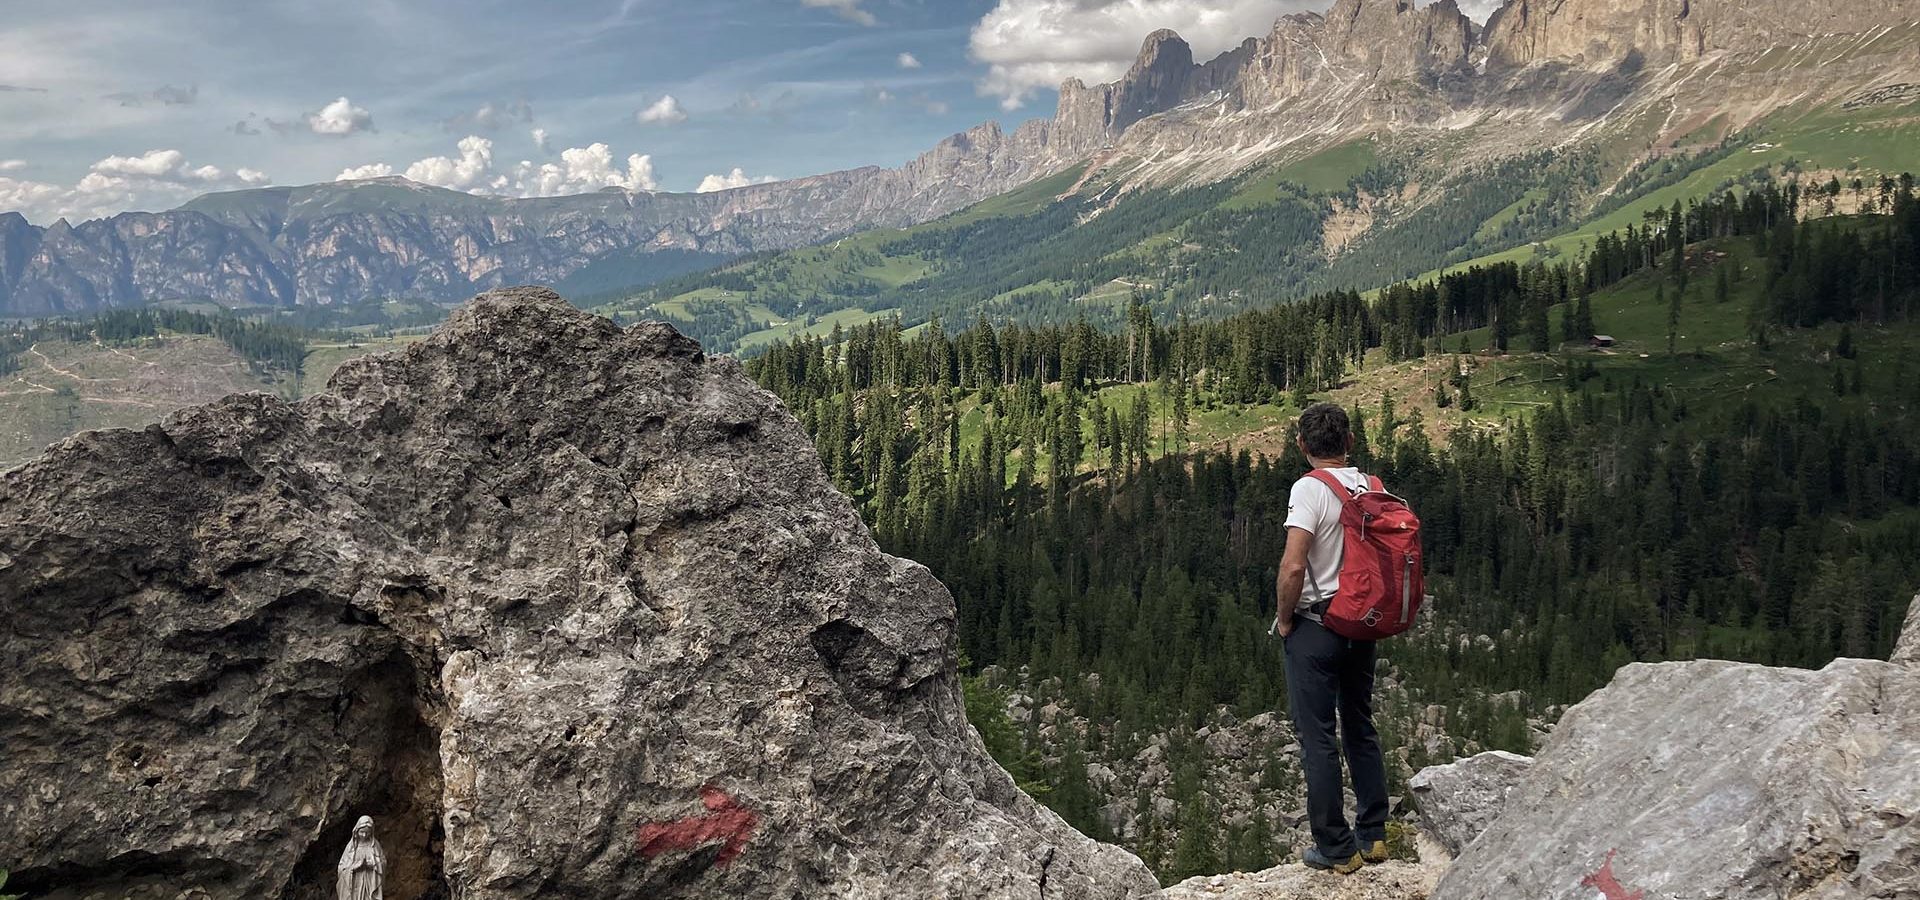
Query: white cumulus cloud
165, 166
908, 61
156, 179
361, 173
9, 165
541, 140
664, 111
151, 164
846, 9
738, 178
578, 170
1037, 44
470, 170
37, 200
340, 118
582, 169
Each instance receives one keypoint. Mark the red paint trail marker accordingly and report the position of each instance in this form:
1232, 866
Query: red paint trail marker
1609, 886
726, 820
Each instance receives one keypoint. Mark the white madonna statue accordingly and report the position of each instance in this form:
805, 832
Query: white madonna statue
362, 867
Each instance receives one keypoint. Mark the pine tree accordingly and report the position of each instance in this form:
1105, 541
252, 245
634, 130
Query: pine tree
1502, 322
1180, 417
1673, 315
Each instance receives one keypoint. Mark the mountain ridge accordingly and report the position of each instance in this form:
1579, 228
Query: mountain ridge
1541, 75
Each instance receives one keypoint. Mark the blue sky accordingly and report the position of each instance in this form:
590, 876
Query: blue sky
109, 105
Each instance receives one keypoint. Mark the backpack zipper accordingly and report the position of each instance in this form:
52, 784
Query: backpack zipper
1406, 590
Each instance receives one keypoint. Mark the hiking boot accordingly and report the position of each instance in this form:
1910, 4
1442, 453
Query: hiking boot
1374, 851
1317, 860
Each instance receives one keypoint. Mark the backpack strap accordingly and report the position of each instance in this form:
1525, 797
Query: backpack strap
1339, 489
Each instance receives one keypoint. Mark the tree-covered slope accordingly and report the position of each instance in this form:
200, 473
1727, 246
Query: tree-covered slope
1735, 477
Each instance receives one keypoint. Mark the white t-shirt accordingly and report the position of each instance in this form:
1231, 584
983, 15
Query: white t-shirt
1313, 508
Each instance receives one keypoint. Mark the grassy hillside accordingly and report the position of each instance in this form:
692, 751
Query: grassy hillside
130, 368
1717, 361
324, 357
1812, 144
63, 387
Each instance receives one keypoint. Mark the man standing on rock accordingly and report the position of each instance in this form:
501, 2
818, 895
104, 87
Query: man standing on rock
1328, 675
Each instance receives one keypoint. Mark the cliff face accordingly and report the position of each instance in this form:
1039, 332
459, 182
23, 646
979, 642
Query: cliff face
568, 610
1542, 73
1603, 33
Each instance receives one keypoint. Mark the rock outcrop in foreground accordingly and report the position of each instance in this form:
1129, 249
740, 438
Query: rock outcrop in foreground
1718, 779
571, 611
1458, 801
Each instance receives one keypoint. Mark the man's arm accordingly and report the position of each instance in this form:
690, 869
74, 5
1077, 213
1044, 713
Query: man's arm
1293, 578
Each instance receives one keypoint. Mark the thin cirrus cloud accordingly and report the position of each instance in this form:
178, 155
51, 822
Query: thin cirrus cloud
164, 95
664, 111
846, 9
491, 116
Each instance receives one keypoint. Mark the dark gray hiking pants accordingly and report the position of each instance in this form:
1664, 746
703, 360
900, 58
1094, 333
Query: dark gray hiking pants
1329, 676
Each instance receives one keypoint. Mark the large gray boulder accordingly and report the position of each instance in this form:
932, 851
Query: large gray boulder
571, 611
1717, 780
1459, 800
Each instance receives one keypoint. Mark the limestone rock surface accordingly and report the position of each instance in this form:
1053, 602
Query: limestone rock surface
1388, 881
570, 610
1717, 779
1459, 800
1907, 651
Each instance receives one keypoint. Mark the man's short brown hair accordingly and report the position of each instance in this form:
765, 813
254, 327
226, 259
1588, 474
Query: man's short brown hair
1325, 429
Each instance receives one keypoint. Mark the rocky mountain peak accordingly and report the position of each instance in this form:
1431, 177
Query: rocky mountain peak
1164, 48
568, 609
1160, 78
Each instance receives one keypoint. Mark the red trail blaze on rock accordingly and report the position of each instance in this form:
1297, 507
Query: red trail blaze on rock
725, 820
1609, 886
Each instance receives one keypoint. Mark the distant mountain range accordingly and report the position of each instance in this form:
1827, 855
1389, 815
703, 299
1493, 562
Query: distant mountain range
1625, 79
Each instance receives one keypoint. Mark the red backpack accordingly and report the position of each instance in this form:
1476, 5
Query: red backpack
1380, 581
